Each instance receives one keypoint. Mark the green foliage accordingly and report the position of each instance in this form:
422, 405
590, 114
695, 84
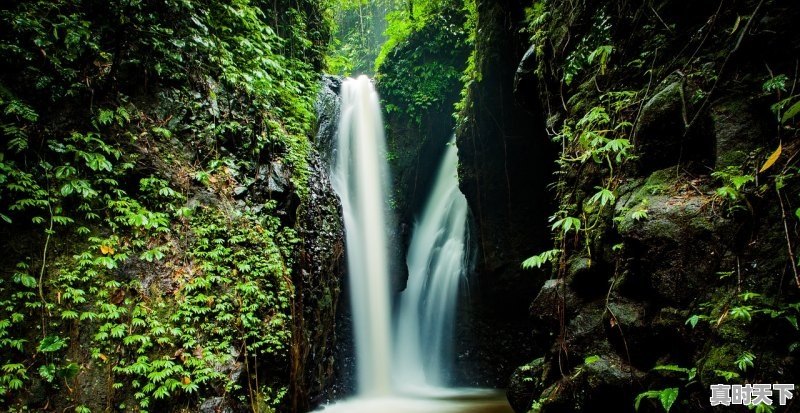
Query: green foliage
424, 67
567, 224
690, 373
108, 111
237, 300
733, 183
358, 29
595, 48
591, 359
776, 84
747, 305
412, 16
599, 137
367, 32
603, 197
538, 260
745, 360
51, 344
762, 408
792, 111
787, 108
695, 318
727, 375
666, 397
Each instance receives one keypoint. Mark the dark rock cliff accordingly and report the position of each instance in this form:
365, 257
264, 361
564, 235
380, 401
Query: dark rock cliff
506, 161
684, 276
318, 279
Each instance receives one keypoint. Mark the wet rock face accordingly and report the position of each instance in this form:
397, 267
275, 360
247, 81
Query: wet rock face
679, 248
526, 384
327, 108
671, 247
319, 271
741, 123
215, 405
506, 160
317, 286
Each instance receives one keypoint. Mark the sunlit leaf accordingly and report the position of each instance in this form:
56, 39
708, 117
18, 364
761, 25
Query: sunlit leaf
51, 344
791, 112
668, 397
771, 160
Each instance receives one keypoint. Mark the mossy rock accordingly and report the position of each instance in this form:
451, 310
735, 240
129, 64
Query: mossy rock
586, 277
719, 358
665, 136
740, 126
602, 383
525, 384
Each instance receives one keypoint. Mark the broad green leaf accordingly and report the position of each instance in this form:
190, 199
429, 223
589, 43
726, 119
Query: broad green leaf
591, 359
604, 196
48, 372
69, 371
51, 344
668, 397
791, 112
538, 260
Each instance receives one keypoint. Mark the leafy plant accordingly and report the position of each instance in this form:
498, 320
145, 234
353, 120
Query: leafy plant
666, 397
733, 183
690, 373
96, 111
538, 260
745, 360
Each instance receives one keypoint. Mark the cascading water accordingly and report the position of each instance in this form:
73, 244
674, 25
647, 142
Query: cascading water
437, 262
360, 178
400, 381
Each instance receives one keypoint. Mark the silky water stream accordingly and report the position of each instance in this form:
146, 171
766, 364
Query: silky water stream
403, 361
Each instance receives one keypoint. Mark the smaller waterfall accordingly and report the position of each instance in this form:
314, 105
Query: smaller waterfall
437, 262
360, 178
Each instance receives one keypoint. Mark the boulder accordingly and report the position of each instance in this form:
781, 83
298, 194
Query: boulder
553, 296
526, 384
678, 247
215, 405
603, 383
740, 126
663, 134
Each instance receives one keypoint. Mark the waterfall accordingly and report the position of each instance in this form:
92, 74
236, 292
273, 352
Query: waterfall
437, 259
360, 178
437, 262
411, 378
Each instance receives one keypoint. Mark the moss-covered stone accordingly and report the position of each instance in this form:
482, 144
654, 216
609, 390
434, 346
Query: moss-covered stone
526, 384
740, 126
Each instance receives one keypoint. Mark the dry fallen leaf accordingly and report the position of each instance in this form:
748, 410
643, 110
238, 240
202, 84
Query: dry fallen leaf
772, 159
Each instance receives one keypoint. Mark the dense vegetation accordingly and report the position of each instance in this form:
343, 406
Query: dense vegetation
142, 269
419, 82
158, 185
676, 190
